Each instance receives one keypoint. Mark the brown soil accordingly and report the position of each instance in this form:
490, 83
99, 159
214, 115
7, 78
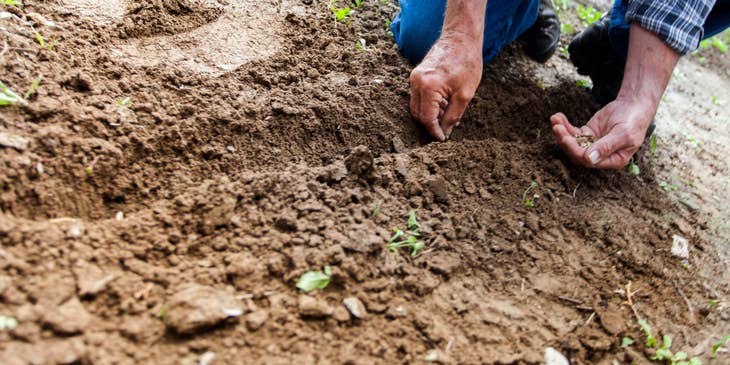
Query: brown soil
257, 144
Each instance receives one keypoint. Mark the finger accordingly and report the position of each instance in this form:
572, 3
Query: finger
415, 102
454, 112
443, 103
429, 112
561, 119
568, 143
608, 152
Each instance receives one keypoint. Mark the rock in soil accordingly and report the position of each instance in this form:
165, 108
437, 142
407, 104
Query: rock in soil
340, 314
554, 357
360, 161
256, 319
68, 319
91, 280
355, 307
313, 307
13, 141
197, 307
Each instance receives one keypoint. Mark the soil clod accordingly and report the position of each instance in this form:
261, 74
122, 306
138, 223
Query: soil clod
196, 307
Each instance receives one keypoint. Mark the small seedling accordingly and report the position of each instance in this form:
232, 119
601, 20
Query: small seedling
43, 42
124, 102
567, 28
633, 168
563, 4
7, 323
717, 101
713, 302
8, 97
529, 201
409, 238
653, 144
376, 210
583, 83
722, 342
340, 14
162, 313
588, 15
12, 3
650, 339
33, 87
664, 353
358, 3
627, 341
312, 280
668, 187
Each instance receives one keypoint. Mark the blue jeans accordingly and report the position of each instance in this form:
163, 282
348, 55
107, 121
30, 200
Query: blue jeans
618, 31
418, 25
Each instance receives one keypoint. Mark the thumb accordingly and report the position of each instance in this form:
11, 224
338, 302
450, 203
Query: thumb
604, 153
454, 112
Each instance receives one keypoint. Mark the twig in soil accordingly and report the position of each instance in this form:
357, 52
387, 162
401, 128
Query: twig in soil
5, 48
590, 319
684, 297
575, 190
630, 301
571, 300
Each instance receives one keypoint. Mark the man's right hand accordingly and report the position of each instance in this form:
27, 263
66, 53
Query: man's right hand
444, 83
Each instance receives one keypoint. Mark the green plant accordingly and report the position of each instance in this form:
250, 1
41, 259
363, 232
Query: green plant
653, 144
529, 201
722, 342
668, 187
664, 353
162, 313
125, 102
627, 341
43, 42
358, 3
340, 14
567, 28
563, 4
588, 14
376, 210
12, 2
633, 168
409, 238
312, 280
583, 83
8, 97
33, 86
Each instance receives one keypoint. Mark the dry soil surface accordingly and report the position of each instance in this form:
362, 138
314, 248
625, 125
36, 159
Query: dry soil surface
183, 162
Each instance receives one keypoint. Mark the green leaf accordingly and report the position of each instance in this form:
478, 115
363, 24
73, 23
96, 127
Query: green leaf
376, 210
412, 221
12, 2
7, 96
679, 356
695, 361
162, 314
633, 168
33, 87
653, 144
650, 339
716, 347
666, 342
312, 280
40, 39
627, 341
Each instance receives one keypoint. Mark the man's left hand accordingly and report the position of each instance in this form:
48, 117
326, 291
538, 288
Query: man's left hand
620, 128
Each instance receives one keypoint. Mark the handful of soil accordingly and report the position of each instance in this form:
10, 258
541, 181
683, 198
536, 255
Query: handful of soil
585, 140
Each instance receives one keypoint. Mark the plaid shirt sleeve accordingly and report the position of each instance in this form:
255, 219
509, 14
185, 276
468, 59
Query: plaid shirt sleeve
678, 22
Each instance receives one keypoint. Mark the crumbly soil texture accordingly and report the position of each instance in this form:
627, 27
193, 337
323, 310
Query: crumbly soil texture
182, 163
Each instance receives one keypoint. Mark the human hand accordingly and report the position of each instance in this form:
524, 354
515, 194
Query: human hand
620, 128
444, 83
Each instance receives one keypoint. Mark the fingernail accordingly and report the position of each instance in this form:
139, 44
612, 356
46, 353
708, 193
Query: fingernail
594, 156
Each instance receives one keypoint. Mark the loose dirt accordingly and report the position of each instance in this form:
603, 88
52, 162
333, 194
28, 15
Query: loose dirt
256, 145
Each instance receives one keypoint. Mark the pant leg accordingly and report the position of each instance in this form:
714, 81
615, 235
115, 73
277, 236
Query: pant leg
418, 25
618, 32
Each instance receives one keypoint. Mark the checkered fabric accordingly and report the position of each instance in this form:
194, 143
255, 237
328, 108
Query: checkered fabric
678, 22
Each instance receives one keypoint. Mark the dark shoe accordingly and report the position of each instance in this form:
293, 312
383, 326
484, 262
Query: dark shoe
543, 37
592, 54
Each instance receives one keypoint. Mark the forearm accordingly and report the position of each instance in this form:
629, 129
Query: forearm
465, 18
649, 67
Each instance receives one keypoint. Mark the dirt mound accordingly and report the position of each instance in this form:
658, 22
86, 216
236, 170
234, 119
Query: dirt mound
246, 144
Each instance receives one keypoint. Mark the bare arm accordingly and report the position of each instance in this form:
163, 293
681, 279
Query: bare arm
444, 83
622, 124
